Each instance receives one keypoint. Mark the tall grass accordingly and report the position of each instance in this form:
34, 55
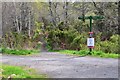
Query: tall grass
18, 52
86, 52
19, 72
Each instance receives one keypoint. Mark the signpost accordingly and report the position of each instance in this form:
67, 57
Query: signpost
90, 40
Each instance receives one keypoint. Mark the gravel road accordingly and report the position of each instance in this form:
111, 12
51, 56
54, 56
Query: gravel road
57, 65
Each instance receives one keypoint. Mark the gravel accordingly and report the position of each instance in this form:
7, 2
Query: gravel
57, 65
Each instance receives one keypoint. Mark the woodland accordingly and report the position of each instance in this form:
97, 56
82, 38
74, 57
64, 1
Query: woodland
49, 26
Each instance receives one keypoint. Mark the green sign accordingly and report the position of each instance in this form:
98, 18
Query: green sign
90, 18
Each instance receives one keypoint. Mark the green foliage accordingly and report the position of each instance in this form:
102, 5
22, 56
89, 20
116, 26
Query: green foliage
76, 42
18, 52
73, 40
15, 40
19, 72
37, 30
38, 46
86, 52
74, 52
114, 38
66, 39
104, 55
110, 46
63, 31
0, 50
79, 41
19, 40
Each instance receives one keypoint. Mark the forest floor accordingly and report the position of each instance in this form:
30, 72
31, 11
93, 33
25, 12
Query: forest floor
57, 65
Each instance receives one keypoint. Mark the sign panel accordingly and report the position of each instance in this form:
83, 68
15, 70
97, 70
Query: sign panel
90, 42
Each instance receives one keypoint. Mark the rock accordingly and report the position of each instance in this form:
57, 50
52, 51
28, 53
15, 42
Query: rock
11, 76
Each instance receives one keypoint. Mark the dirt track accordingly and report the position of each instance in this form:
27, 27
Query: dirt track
57, 65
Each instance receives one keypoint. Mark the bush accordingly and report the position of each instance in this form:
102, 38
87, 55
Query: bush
114, 38
111, 46
76, 39
18, 52
66, 39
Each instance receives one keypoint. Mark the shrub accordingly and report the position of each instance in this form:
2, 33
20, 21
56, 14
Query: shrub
111, 46
66, 39
75, 39
114, 38
18, 52
108, 46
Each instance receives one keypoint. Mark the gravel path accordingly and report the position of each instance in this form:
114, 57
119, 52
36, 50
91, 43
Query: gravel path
57, 65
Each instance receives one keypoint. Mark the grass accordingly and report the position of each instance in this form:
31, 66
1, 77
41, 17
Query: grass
18, 52
86, 52
19, 72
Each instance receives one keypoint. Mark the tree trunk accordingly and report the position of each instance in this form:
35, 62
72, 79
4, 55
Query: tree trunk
51, 13
29, 27
66, 13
